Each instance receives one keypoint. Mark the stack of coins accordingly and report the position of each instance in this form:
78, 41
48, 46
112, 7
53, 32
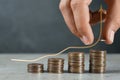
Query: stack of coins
97, 61
76, 62
35, 68
55, 65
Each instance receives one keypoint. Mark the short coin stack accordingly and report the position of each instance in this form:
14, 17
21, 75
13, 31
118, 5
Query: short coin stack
97, 61
55, 65
76, 62
35, 68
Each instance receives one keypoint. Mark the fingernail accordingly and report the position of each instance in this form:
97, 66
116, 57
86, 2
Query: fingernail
85, 40
112, 36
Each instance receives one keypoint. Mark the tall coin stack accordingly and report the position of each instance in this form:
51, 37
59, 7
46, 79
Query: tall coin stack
55, 65
35, 68
76, 62
97, 61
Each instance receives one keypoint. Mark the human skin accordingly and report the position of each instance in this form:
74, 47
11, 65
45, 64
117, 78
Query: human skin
77, 17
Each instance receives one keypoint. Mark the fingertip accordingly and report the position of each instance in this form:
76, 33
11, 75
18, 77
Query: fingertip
87, 40
87, 35
109, 30
108, 42
110, 37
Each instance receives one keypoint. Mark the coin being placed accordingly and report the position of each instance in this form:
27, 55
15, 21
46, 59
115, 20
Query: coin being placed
95, 16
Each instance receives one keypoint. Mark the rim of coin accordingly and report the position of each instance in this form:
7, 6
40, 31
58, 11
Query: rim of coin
35, 65
55, 60
76, 54
51, 63
98, 51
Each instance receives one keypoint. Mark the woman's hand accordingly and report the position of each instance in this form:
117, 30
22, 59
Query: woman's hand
76, 16
112, 23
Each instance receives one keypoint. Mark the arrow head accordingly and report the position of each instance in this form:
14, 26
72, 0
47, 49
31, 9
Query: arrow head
101, 9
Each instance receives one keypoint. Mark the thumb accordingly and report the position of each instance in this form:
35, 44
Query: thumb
110, 28
112, 22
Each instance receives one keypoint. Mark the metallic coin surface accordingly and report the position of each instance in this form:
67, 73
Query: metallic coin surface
76, 54
55, 65
97, 61
55, 60
76, 62
35, 68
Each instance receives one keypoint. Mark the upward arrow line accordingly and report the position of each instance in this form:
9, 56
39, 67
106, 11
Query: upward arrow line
101, 12
101, 20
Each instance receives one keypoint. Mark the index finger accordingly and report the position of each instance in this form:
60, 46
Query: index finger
80, 11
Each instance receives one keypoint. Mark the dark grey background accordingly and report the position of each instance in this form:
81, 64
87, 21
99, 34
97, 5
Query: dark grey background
38, 26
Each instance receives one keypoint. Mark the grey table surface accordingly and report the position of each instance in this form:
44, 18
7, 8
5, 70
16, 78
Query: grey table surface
10, 70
